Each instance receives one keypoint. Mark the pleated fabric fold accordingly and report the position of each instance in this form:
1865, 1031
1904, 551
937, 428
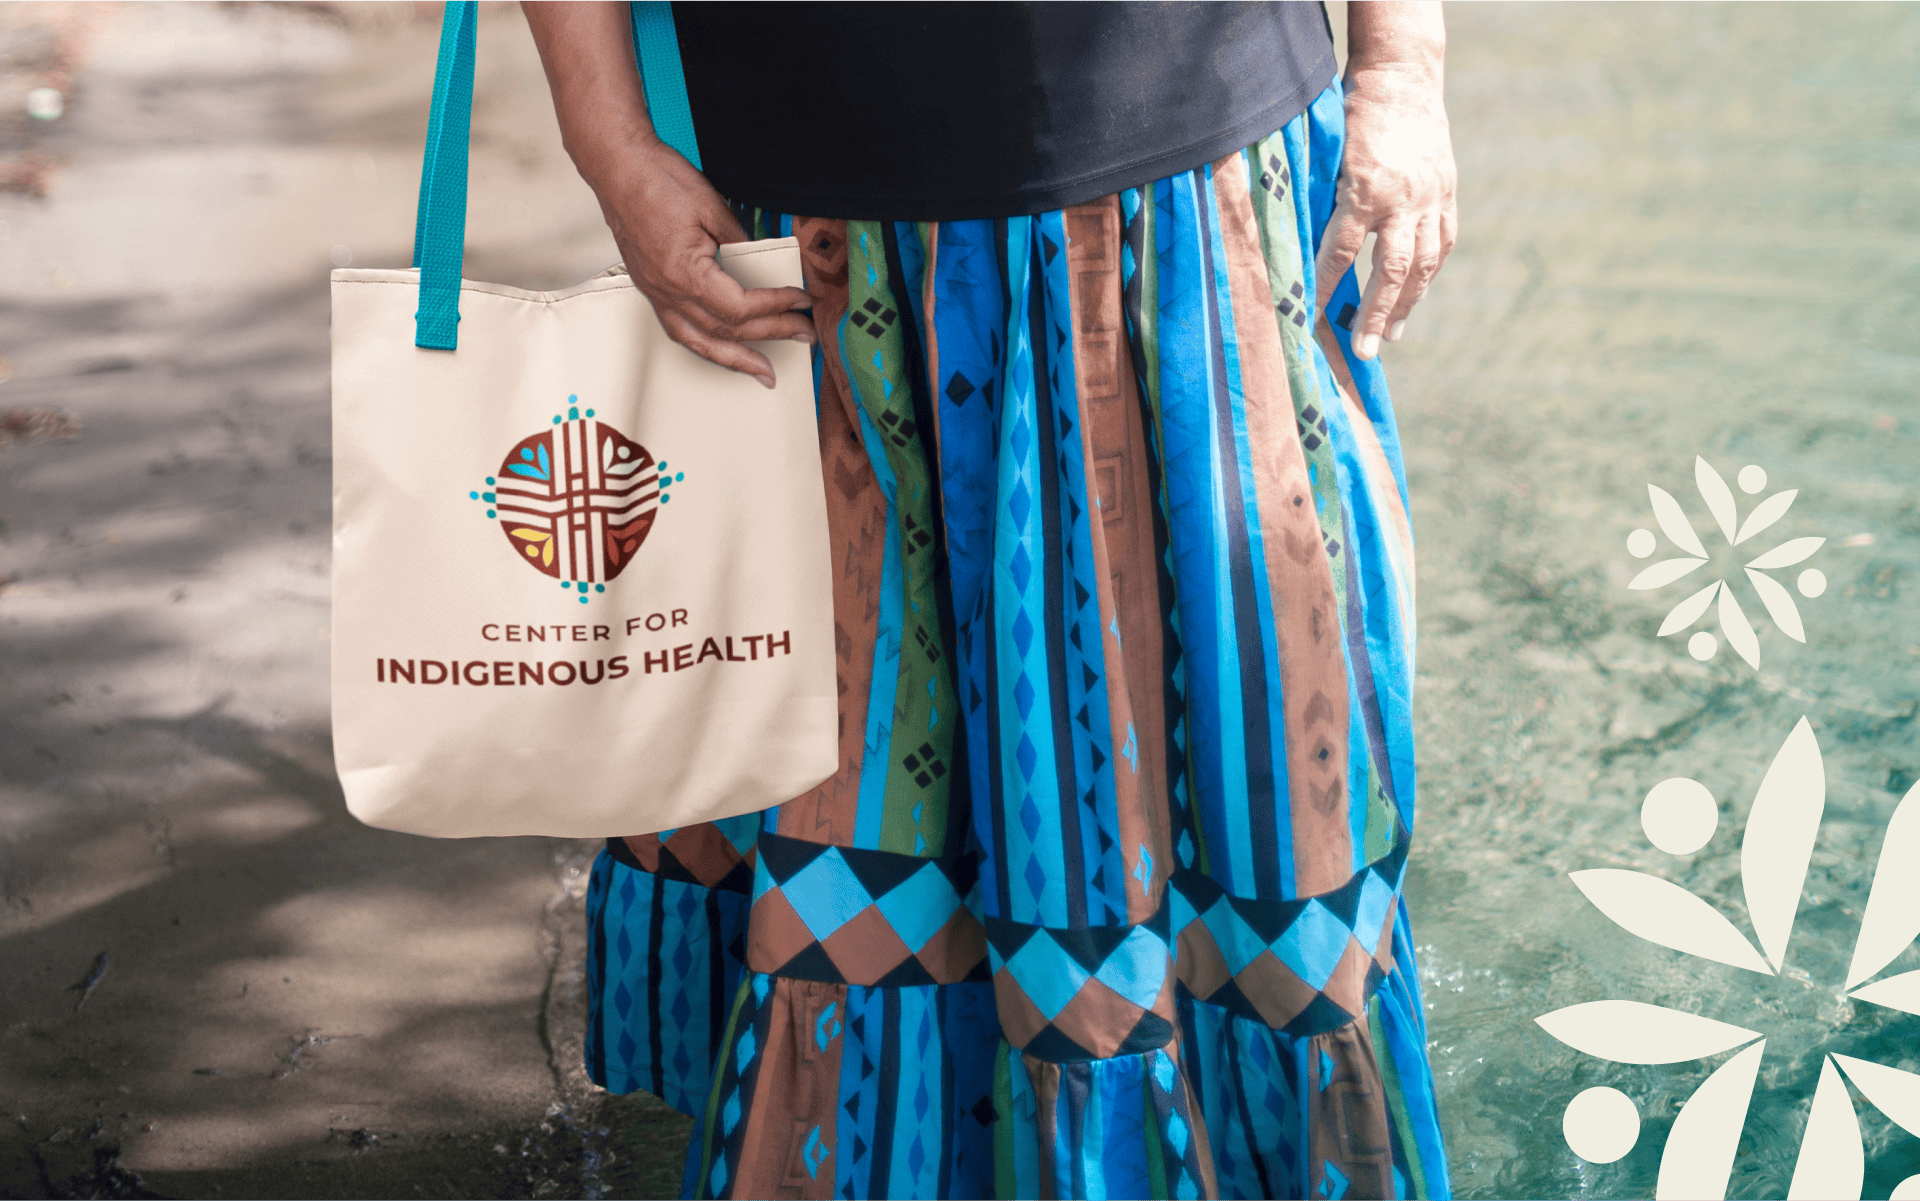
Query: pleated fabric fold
1104, 900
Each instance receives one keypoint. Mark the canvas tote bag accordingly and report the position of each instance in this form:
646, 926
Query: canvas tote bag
580, 574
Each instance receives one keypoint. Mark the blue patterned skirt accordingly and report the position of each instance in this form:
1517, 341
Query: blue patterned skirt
1105, 898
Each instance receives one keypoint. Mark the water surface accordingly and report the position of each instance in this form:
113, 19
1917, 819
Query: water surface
1687, 230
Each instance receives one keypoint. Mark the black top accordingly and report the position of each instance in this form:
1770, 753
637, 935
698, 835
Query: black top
942, 111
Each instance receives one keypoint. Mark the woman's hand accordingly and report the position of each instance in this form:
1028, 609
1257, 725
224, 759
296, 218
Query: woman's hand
1397, 178
669, 224
666, 218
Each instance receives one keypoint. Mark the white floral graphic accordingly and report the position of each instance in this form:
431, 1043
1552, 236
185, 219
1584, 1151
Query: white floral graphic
1678, 815
1773, 595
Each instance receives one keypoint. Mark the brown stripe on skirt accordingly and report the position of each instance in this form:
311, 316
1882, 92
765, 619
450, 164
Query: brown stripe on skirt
1313, 666
856, 532
1347, 1114
1045, 1079
795, 1091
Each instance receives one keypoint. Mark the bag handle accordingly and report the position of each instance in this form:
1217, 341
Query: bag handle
440, 222
657, 49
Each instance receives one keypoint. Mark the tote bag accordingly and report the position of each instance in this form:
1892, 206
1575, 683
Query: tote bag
580, 574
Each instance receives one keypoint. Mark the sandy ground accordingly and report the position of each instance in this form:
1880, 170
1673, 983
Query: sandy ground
1686, 229
292, 1004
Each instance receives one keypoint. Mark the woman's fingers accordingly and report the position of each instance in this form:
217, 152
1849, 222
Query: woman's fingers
723, 341
734, 356
1393, 271
722, 295
1408, 251
1429, 252
1346, 232
712, 315
796, 327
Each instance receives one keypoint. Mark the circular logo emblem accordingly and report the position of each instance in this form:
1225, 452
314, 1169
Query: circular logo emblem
577, 500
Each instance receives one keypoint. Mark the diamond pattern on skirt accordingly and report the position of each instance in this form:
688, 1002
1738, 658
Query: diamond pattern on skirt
851, 916
711, 854
1303, 967
1086, 993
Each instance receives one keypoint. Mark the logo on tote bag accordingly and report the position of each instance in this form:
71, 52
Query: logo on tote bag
576, 501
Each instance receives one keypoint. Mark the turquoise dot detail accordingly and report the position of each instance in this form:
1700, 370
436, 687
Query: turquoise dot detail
678, 476
490, 513
556, 421
589, 412
664, 498
473, 496
599, 587
583, 600
565, 585
663, 464
489, 481
573, 398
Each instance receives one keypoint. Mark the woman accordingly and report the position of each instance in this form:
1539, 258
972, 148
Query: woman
1105, 898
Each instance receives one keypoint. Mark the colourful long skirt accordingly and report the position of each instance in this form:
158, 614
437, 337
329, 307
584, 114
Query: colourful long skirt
1104, 900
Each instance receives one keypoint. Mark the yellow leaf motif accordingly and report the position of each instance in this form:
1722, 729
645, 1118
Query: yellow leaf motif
543, 541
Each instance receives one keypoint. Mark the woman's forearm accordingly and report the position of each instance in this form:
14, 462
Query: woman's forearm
587, 50
1405, 37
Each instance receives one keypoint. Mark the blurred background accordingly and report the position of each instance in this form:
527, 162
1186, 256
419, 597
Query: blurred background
1686, 230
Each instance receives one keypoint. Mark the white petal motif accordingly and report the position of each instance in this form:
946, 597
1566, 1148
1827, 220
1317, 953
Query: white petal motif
1665, 913
1698, 1157
1900, 992
1892, 918
1788, 553
1733, 623
1892, 1091
1673, 521
1665, 572
1718, 496
1766, 513
1832, 1163
1689, 610
1635, 1032
1781, 828
1779, 603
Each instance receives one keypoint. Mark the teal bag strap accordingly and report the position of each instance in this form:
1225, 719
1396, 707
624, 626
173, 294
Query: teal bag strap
657, 49
440, 222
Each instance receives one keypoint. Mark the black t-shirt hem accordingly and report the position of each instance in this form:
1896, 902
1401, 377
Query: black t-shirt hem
1025, 202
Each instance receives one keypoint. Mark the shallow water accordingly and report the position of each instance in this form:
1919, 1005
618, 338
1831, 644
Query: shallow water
1686, 230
